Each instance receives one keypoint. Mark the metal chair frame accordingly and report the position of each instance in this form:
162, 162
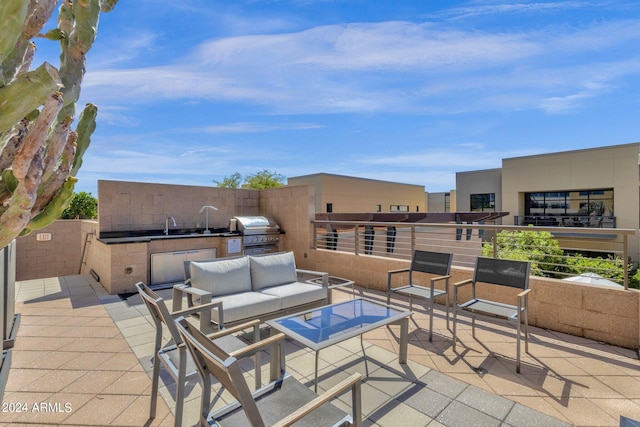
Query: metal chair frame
500, 272
429, 263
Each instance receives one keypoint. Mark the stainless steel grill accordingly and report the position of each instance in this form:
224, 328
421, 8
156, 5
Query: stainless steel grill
259, 234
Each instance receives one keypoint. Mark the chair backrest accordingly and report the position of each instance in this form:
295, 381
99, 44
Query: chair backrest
159, 311
212, 360
187, 267
432, 262
502, 272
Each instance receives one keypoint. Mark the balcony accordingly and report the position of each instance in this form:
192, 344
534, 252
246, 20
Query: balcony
82, 357
588, 221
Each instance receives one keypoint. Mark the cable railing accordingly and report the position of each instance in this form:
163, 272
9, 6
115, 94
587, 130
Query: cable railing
567, 252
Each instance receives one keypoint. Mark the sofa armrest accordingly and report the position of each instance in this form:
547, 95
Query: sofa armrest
324, 275
181, 289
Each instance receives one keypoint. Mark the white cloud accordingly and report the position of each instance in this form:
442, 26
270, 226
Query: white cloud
388, 66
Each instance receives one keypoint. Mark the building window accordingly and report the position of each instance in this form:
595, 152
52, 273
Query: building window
329, 207
483, 202
399, 208
598, 202
447, 202
378, 208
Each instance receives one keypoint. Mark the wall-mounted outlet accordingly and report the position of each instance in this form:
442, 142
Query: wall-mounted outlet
43, 237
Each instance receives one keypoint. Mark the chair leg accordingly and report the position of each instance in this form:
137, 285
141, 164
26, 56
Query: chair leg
257, 358
180, 389
473, 326
455, 321
205, 400
430, 319
518, 343
446, 297
154, 386
526, 332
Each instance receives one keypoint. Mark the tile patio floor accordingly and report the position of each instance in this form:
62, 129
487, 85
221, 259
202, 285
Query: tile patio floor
82, 358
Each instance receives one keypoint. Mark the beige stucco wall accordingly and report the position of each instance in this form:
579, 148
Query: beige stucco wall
59, 256
351, 194
478, 182
436, 202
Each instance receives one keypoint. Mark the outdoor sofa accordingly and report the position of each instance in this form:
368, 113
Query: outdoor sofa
252, 287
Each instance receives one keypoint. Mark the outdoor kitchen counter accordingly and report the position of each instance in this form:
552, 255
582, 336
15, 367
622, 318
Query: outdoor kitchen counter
141, 239
141, 236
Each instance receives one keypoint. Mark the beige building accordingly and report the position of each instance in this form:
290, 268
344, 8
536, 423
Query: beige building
597, 187
338, 193
441, 201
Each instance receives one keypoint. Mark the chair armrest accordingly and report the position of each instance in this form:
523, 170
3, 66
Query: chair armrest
205, 314
352, 382
197, 309
391, 273
233, 329
252, 348
524, 293
400, 270
462, 283
435, 279
181, 289
458, 285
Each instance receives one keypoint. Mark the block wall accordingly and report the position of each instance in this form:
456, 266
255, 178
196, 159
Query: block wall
59, 256
601, 313
125, 206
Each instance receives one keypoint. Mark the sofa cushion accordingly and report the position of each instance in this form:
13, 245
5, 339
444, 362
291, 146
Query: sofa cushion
273, 269
222, 277
245, 305
297, 293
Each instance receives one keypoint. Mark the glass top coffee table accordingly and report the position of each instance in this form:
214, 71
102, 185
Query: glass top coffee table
325, 326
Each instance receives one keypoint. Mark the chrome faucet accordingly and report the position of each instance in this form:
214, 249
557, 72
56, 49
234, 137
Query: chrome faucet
166, 225
207, 207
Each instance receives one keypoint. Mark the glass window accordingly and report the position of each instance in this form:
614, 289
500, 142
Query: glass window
597, 202
483, 202
399, 208
329, 207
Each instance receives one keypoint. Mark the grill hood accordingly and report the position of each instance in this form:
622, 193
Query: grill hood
256, 225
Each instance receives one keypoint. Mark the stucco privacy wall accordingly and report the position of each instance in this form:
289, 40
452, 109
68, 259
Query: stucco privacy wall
600, 313
59, 256
125, 206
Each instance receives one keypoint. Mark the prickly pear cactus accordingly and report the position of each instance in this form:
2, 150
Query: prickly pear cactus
40, 153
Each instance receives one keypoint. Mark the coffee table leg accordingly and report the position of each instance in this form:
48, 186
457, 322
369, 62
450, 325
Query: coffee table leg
404, 339
315, 378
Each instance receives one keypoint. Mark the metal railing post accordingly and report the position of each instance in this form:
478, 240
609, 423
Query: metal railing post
625, 261
356, 239
413, 238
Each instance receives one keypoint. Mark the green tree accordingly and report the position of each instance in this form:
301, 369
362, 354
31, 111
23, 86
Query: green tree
82, 206
264, 179
540, 248
258, 181
232, 181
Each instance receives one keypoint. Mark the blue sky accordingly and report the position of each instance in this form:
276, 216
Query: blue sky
192, 91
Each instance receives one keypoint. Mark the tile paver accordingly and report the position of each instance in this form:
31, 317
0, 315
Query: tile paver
78, 345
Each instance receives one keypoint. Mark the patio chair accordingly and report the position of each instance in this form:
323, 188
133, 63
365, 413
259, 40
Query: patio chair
501, 272
434, 263
282, 402
173, 355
